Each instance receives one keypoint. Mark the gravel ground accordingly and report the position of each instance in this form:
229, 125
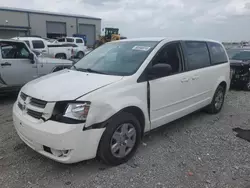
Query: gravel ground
199, 150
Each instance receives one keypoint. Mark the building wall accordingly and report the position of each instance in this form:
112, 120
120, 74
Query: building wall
14, 18
38, 24
97, 24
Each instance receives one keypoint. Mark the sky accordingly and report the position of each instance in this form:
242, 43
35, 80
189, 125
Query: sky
224, 20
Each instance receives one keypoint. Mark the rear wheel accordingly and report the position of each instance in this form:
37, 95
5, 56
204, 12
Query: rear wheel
60, 56
218, 100
80, 55
120, 139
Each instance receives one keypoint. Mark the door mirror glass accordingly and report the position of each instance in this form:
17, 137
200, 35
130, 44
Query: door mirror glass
159, 70
32, 58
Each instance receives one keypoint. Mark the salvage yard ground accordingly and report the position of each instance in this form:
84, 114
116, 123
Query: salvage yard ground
198, 151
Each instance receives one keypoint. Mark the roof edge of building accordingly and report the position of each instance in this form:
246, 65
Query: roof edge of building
46, 13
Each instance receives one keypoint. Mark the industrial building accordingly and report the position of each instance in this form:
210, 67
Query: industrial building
22, 22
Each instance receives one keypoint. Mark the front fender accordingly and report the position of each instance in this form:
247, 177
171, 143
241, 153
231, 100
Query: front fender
101, 111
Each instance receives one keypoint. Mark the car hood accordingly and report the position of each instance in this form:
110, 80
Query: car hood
54, 60
239, 62
67, 85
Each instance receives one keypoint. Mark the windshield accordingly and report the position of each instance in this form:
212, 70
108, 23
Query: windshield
117, 58
239, 54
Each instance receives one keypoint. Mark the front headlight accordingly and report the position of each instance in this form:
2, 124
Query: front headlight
77, 111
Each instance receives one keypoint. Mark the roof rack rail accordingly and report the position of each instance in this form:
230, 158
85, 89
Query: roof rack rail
33, 36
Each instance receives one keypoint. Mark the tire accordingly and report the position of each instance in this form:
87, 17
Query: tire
61, 56
124, 146
218, 101
80, 55
247, 86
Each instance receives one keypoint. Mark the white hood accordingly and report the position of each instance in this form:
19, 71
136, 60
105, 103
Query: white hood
54, 61
67, 85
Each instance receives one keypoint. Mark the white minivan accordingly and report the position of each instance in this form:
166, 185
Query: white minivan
108, 100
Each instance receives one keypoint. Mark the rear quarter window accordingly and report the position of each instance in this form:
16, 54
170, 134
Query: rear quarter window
217, 53
69, 40
197, 55
61, 40
79, 41
38, 44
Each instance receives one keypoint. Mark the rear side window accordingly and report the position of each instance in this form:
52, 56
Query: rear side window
197, 55
79, 41
61, 40
38, 44
69, 40
217, 52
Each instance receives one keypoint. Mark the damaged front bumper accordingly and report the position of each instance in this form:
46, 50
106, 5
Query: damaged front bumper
240, 74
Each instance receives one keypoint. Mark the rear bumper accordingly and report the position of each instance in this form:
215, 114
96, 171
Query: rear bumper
81, 145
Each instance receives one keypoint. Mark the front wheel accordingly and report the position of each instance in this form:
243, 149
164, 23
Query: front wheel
120, 140
218, 100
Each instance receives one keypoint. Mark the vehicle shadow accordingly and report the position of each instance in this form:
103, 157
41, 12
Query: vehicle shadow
175, 126
97, 165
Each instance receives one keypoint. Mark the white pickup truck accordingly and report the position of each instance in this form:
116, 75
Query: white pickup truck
79, 45
53, 50
19, 65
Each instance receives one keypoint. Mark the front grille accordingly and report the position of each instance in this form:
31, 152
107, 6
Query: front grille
27, 104
38, 103
23, 96
20, 106
34, 114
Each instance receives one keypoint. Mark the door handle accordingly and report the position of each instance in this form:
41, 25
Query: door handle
196, 77
185, 80
6, 64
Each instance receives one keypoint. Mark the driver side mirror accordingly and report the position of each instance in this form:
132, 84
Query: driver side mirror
32, 58
159, 70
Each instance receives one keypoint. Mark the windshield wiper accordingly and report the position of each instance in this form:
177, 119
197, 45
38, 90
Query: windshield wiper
88, 70
95, 71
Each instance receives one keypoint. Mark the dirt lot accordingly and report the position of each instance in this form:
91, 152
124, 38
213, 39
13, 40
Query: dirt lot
199, 150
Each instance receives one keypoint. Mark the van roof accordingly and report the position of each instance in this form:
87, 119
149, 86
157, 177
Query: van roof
158, 39
28, 38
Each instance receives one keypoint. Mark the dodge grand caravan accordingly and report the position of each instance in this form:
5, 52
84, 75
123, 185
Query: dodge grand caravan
108, 100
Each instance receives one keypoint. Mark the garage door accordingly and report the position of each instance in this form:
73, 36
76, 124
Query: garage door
89, 31
6, 34
56, 28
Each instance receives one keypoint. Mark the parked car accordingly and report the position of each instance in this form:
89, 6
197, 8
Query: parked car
240, 67
54, 50
110, 98
77, 41
19, 65
75, 49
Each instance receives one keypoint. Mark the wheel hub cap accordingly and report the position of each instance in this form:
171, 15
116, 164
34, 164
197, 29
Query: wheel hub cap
123, 140
219, 100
